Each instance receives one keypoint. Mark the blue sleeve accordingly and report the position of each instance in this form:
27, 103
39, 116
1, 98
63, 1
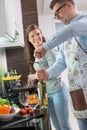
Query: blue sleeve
74, 29
58, 67
50, 58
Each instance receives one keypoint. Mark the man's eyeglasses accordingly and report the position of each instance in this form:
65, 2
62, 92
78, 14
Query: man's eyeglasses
57, 11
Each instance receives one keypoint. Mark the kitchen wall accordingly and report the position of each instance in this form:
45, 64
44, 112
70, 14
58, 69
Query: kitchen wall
15, 60
29, 12
47, 24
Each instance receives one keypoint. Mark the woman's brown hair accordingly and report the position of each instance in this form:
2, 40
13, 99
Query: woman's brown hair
28, 47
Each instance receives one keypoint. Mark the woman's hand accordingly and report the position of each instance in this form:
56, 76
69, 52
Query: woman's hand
32, 78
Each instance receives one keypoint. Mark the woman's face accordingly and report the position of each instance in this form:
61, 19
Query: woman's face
35, 37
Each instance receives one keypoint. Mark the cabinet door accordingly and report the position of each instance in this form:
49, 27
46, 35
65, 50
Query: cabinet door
19, 21
7, 19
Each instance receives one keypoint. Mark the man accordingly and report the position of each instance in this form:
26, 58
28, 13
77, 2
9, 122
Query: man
72, 54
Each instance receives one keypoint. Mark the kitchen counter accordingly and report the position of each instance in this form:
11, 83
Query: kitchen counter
19, 121
42, 121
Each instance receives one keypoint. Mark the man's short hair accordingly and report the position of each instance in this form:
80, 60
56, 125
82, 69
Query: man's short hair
53, 2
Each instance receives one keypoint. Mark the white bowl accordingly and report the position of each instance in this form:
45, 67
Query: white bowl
7, 117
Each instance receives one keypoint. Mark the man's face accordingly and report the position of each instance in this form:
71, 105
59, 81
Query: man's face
62, 12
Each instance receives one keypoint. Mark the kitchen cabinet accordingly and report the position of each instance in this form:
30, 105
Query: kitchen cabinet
11, 27
19, 21
7, 19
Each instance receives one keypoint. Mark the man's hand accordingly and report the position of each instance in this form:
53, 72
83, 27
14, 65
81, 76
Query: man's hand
40, 52
42, 74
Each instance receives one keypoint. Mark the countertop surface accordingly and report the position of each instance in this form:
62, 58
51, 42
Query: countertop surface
19, 120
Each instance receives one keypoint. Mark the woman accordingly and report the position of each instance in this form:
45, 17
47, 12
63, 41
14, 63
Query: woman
57, 93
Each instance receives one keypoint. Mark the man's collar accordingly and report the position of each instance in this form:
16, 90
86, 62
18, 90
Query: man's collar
77, 17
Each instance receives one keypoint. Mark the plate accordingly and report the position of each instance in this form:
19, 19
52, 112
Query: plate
7, 117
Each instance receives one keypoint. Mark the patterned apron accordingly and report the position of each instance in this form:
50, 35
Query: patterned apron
76, 60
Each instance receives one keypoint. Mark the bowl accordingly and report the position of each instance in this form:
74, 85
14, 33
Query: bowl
7, 117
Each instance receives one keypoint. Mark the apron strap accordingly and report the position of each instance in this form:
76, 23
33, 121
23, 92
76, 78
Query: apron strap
80, 45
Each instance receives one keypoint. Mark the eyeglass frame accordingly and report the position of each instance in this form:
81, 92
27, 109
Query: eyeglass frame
57, 11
